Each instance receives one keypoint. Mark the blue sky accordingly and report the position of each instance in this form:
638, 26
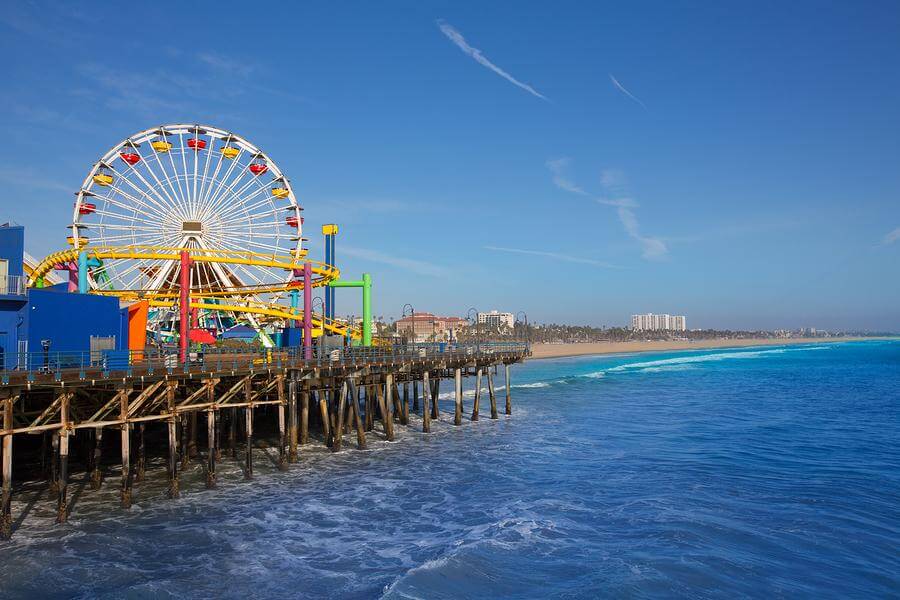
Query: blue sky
737, 163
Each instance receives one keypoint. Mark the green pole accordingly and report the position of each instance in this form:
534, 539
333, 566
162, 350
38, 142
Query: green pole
366, 284
367, 309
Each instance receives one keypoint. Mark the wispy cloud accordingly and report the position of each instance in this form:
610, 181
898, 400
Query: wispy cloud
654, 248
554, 256
408, 264
622, 89
559, 168
613, 182
457, 38
892, 237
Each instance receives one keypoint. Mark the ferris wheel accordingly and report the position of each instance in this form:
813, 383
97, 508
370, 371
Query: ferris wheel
193, 187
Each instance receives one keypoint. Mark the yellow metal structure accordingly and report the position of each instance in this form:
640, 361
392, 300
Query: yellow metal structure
238, 299
329, 229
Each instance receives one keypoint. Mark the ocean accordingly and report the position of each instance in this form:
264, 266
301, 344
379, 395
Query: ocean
762, 472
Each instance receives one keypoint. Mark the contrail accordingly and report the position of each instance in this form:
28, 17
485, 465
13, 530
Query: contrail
622, 89
457, 38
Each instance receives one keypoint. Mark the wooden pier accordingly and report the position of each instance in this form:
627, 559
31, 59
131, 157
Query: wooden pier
212, 405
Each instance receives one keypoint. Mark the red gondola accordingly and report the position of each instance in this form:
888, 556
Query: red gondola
258, 166
293, 221
196, 144
129, 154
86, 208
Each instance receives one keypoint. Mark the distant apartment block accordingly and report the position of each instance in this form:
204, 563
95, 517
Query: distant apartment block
427, 327
651, 322
495, 319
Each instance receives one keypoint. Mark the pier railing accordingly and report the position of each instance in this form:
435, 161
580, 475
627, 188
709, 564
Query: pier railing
60, 366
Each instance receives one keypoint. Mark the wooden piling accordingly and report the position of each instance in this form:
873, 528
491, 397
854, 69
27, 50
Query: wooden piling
323, 410
282, 431
426, 410
141, 463
192, 435
211, 444
183, 441
173, 440
62, 502
232, 433
435, 398
360, 430
477, 394
370, 408
95, 459
508, 391
415, 396
457, 380
6, 501
248, 456
338, 437
384, 405
292, 420
491, 394
304, 417
405, 418
127, 478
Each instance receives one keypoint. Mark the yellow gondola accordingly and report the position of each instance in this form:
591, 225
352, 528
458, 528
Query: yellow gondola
280, 193
230, 152
161, 145
103, 177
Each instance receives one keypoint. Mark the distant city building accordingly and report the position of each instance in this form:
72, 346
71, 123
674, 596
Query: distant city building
652, 322
495, 319
426, 327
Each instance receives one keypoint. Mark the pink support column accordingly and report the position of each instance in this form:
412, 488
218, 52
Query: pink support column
307, 310
185, 301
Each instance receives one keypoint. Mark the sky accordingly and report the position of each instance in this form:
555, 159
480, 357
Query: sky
738, 163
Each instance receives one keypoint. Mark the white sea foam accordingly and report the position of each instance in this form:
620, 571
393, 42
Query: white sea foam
683, 363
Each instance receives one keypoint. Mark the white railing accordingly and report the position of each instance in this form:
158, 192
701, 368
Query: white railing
13, 285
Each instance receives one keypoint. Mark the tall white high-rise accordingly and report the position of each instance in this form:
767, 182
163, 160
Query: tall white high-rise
652, 322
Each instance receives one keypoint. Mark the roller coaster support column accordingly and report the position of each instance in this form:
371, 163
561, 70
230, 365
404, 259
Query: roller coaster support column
366, 284
329, 231
82, 272
85, 263
295, 303
307, 310
184, 284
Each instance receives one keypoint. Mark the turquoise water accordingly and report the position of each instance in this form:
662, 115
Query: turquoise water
722, 473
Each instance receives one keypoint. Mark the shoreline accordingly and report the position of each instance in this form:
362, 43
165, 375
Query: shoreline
542, 351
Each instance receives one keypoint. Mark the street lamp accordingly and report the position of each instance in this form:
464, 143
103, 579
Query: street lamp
412, 314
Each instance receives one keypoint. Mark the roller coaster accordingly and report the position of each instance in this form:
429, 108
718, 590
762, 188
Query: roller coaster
207, 194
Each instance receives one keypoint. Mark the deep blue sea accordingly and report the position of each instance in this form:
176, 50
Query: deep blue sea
771, 472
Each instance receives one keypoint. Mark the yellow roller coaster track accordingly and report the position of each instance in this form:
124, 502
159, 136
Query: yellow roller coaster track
322, 275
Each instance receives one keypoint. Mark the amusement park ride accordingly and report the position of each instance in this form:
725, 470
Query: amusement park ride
201, 231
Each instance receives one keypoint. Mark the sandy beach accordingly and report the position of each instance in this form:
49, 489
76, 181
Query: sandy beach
562, 350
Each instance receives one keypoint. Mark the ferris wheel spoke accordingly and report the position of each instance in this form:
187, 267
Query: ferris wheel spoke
204, 188
176, 180
135, 200
161, 208
171, 181
222, 183
165, 203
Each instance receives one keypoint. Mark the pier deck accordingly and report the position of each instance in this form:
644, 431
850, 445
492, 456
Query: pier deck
56, 402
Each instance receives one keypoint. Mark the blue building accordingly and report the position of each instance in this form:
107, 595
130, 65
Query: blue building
37, 323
